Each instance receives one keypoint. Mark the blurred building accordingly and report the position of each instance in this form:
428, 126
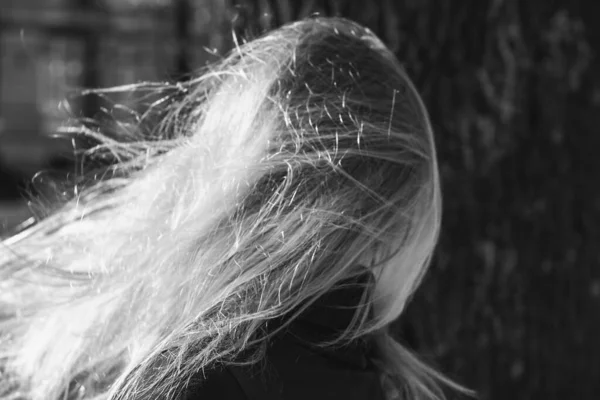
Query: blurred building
50, 48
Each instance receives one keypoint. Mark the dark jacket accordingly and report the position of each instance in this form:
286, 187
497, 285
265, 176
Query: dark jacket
295, 369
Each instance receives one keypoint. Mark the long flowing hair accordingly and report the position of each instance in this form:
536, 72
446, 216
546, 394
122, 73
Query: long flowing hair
301, 158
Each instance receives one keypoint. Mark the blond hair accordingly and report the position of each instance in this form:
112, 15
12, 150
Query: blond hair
270, 177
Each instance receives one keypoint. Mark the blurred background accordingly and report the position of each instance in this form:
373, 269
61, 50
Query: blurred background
511, 308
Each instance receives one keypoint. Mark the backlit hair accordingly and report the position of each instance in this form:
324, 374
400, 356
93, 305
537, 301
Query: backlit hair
297, 161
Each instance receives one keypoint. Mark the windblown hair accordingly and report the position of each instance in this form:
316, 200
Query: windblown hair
299, 160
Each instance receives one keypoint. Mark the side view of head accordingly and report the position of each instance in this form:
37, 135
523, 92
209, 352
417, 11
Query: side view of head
303, 158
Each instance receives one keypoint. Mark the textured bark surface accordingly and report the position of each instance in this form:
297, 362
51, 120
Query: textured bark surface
511, 307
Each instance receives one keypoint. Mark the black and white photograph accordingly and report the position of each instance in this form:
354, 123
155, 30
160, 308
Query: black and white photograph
299, 200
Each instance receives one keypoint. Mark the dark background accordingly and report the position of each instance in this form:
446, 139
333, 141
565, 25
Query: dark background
511, 307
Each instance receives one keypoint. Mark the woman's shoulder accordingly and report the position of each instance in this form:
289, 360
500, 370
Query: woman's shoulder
292, 370
218, 383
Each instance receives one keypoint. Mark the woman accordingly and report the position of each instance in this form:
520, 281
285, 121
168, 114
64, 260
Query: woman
255, 243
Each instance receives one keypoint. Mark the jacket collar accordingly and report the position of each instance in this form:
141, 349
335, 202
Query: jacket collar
330, 315
334, 311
